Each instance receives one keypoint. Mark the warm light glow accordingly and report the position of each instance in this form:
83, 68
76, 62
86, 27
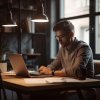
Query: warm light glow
40, 20
10, 25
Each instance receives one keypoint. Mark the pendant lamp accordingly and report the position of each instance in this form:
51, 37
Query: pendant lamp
40, 15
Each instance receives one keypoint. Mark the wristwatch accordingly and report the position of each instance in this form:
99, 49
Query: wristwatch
53, 72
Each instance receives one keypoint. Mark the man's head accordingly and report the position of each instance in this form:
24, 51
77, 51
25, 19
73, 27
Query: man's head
64, 32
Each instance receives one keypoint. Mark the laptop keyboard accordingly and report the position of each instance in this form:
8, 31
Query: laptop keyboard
34, 73
37, 74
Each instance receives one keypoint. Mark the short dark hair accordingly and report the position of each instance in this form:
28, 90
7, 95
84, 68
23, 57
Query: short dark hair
64, 25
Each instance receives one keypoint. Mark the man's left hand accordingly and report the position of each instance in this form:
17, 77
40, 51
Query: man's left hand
45, 70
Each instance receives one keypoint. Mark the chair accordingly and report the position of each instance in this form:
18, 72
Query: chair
97, 69
2, 90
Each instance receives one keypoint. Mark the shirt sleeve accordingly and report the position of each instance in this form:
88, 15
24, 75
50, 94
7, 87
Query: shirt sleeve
56, 64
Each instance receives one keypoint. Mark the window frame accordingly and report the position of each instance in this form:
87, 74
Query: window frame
92, 15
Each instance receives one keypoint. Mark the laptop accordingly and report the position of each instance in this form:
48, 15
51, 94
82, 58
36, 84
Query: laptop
20, 69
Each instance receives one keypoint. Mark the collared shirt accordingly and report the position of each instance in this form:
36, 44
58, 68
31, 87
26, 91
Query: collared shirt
76, 60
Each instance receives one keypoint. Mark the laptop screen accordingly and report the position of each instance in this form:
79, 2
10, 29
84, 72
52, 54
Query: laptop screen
18, 65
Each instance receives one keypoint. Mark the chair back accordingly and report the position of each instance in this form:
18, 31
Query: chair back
97, 67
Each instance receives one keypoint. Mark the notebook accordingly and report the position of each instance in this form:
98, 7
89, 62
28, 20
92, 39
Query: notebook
19, 67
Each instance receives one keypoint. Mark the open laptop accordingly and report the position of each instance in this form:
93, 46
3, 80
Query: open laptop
19, 66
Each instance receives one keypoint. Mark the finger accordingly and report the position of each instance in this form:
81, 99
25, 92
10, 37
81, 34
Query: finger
41, 72
41, 68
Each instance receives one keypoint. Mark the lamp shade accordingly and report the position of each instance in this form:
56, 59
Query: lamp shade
10, 24
40, 16
8, 21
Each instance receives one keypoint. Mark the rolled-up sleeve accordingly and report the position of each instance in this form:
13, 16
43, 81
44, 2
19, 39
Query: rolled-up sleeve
56, 64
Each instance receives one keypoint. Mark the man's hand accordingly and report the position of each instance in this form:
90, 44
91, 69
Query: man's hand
45, 70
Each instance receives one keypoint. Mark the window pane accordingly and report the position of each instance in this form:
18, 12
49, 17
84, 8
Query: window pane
74, 7
97, 5
81, 29
97, 37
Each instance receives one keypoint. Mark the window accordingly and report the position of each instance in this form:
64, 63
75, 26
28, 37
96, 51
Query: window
75, 7
97, 35
53, 43
81, 8
81, 29
85, 15
97, 28
97, 5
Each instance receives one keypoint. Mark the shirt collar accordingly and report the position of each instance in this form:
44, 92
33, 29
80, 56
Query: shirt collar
70, 46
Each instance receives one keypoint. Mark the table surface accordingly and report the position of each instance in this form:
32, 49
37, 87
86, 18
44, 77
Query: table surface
13, 82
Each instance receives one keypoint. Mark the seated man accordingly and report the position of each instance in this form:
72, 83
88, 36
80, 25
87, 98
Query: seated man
74, 58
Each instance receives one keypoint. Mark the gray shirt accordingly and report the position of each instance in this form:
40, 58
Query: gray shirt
76, 60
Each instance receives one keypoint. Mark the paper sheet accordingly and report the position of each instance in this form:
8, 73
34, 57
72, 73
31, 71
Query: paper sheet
55, 80
34, 80
43, 80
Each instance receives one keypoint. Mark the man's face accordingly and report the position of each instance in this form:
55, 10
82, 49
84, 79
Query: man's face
62, 38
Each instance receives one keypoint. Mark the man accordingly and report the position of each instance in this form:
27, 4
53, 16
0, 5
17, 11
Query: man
74, 58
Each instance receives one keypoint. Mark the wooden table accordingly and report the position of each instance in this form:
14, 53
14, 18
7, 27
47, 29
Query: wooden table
35, 85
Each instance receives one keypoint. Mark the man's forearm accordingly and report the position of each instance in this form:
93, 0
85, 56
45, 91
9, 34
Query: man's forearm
59, 73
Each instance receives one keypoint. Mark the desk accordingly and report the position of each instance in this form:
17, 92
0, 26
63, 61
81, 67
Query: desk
29, 85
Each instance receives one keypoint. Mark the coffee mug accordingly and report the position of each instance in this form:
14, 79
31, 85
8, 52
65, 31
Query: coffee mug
3, 67
30, 51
